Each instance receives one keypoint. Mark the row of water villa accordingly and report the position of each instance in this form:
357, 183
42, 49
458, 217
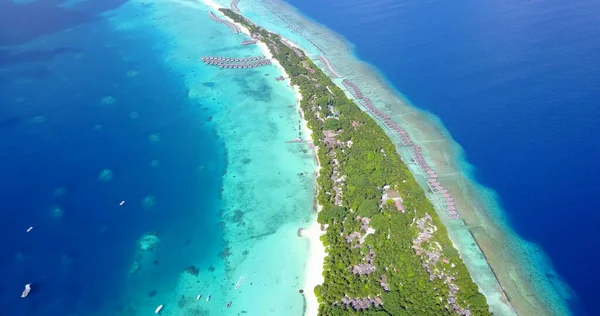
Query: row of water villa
236, 63
442, 196
352, 88
234, 28
232, 60
234, 6
329, 66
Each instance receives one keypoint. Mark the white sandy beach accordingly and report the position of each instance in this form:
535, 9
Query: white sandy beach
314, 266
316, 255
313, 275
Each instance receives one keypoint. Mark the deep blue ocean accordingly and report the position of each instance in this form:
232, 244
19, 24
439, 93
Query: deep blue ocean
517, 84
56, 136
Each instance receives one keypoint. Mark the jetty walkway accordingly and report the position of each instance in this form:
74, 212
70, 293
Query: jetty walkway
236, 63
327, 63
234, 28
299, 140
441, 194
249, 42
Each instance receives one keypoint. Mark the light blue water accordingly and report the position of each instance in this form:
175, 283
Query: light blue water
119, 87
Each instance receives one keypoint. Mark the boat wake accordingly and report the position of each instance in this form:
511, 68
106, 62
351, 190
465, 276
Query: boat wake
241, 281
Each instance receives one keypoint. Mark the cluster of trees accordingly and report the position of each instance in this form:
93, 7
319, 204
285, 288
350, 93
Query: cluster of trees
369, 164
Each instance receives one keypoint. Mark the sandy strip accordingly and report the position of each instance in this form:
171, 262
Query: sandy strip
314, 266
316, 254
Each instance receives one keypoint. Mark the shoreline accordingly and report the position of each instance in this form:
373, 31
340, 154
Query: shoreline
313, 275
522, 270
470, 248
506, 254
519, 289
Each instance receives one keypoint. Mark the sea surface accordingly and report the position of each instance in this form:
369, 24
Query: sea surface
105, 103
148, 178
516, 84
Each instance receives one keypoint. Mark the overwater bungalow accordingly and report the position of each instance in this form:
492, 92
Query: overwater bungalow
352, 88
329, 66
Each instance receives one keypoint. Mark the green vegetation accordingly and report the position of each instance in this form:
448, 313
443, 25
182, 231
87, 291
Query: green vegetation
360, 169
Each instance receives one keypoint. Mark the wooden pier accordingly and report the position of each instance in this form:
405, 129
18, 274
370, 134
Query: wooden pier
299, 140
234, 28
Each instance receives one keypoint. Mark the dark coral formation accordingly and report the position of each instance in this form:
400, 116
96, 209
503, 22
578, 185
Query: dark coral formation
193, 270
225, 253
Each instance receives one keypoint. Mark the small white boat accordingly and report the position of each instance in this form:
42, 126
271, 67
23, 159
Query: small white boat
26, 291
122, 202
208, 298
158, 309
29, 229
199, 296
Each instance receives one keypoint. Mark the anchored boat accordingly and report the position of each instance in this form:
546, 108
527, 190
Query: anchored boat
26, 291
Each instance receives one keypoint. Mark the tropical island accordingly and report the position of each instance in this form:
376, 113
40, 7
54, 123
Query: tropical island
388, 252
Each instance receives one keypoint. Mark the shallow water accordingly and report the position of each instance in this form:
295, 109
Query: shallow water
117, 107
